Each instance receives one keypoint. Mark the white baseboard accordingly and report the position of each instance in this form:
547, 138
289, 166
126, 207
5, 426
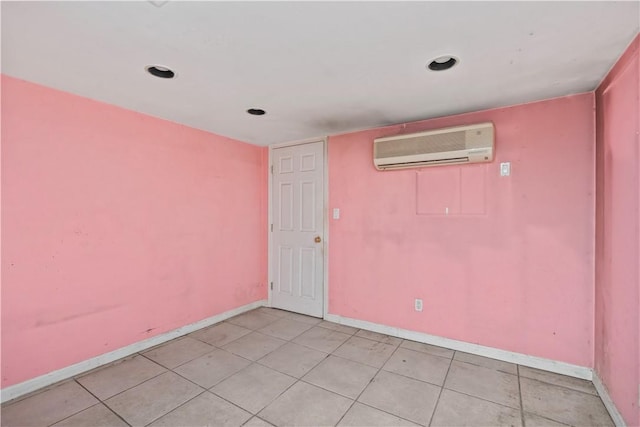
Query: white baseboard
608, 402
17, 390
494, 353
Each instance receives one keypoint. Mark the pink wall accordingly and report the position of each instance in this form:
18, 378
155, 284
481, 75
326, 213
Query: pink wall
515, 271
117, 226
617, 334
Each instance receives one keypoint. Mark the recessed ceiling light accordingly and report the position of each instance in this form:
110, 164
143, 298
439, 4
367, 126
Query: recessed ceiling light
442, 63
160, 71
256, 112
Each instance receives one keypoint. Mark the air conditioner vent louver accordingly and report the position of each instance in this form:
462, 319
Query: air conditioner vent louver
461, 144
453, 141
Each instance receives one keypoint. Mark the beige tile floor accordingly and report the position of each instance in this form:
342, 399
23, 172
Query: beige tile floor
270, 367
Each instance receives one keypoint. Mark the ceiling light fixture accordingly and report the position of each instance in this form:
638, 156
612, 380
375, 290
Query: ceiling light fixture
442, 63
256, 112
160, 71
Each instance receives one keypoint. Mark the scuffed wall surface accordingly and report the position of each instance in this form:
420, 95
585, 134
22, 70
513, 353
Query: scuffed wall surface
117, 226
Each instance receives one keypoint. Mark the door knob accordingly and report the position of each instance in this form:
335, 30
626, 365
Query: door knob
318, 239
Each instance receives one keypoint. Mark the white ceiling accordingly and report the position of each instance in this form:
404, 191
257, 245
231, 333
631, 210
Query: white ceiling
317, 68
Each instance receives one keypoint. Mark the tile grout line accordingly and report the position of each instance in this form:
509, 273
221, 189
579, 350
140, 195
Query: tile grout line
381, 369
562, 386
257, 362
260, 365
520, 395
519, 390
76, 413
562, 423
75, 379
251, 362
444, 380
205, 389
255, 416
547, 417
122, 391
354, 334
182, 404
362, 363
285, 373
184, 363
297, 380
368, 384
379, 409
265, 355
147, 380
348, 360
291, 340
100, 402
474, 396
386, 412
322, 351
221, 347
487, 367
70, 379
284, 338
427, 353
216, 346
372, 339
239, 355
395, 373
479, 398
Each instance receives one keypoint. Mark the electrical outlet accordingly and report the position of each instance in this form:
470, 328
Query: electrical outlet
418, 304
505, 169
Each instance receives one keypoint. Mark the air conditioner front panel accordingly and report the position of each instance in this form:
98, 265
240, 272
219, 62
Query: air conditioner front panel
462, 144
480, 138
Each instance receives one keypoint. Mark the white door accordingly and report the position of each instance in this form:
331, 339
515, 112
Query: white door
298, 228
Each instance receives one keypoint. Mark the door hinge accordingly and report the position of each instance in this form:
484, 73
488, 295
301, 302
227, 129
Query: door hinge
271, 227
271, 285
271, 168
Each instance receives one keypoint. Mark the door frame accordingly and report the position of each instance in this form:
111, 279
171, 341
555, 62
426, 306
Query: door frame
325, 220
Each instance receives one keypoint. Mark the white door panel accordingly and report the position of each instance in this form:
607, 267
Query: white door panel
298, 228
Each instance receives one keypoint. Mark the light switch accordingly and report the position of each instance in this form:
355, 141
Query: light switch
505, 169
336, 213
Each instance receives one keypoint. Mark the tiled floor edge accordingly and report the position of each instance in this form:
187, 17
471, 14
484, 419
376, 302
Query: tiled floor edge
608, 402
555, 366
18, 390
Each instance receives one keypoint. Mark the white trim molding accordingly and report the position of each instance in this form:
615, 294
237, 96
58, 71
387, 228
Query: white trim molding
34, 384
325, 275
300, 142
325, 211
480, 350
608, 402
18, 390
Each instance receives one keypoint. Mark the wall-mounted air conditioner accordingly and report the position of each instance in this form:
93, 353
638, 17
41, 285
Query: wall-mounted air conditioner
460, 144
